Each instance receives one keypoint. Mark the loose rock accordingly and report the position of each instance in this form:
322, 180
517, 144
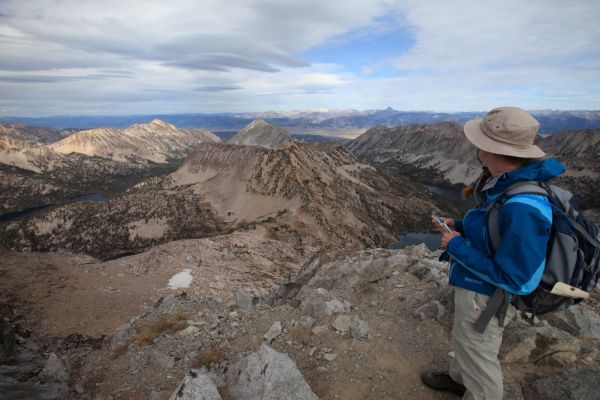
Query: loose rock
267, 375
196, 386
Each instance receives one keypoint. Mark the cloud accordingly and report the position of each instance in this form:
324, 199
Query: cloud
115, 56
222, 88
510, 34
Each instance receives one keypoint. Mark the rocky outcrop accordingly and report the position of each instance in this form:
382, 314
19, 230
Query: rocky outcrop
348, 329
575, 383
267, 375
196, 386
29, 367
157, 141
32, 134
429, 153
261, 133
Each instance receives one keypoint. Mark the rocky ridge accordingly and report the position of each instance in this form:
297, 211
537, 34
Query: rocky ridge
355, 326
107, 161
314, 194
261, 133
440, 154
157, 141
33, 134
306, 186
435, 153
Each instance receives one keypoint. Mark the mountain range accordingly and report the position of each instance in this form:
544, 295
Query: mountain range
318, 195
349, 123
99, 160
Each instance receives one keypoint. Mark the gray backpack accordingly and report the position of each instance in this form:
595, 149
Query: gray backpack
572, 260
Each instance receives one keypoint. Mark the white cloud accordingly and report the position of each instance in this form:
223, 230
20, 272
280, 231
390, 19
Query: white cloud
116, 56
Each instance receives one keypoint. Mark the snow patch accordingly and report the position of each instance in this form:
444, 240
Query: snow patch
181, 280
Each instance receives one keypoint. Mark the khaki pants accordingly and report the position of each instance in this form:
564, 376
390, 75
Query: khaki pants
476, 363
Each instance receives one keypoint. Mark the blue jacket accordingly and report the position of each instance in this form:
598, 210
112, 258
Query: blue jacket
524, 221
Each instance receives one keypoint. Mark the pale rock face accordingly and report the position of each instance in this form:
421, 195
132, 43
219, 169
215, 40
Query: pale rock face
260, 133
196, 386
269, 375
156, 141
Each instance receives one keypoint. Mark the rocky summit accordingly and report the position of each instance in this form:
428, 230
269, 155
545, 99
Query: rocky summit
359, 325
261, 133
156, 141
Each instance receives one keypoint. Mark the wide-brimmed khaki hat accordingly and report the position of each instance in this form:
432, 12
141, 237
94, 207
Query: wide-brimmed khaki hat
508, 131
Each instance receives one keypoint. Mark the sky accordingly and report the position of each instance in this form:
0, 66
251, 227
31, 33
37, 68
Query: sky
113, 57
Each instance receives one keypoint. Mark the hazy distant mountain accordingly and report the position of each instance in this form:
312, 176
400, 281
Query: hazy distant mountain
34, 134
261, 133
331, 122
156, 141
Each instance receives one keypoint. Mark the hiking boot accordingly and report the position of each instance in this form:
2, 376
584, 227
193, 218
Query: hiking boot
442, 381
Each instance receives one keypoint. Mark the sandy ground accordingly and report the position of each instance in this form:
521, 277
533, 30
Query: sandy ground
60, 294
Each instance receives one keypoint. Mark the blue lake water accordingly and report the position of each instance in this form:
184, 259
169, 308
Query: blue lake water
431, 240
11, 216
18, 214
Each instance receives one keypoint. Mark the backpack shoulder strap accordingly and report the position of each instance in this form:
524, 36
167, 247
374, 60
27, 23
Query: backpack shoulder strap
523, 187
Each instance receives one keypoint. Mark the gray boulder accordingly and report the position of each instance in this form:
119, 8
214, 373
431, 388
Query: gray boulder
536, 343
574, 384
290, 288
196, 386
356, 272
320, 302
351, 323
55, 370
579, 320
273, 332
267, 375
432, 310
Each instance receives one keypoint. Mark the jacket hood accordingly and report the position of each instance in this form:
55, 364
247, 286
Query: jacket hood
539, 171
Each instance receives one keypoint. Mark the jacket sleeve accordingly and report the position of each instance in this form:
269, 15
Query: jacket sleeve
525, 223
458, 226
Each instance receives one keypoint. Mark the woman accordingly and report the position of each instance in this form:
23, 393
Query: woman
504, 140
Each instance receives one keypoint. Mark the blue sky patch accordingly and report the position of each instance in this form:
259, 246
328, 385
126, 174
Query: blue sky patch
365, 51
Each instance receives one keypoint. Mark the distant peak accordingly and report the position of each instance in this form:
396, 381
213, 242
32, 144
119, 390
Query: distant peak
258, 122
159, 122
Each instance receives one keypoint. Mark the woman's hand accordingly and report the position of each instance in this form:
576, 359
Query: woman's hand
448, 236
439, 227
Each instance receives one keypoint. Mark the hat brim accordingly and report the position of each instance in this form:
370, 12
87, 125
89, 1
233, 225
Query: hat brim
483, 142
